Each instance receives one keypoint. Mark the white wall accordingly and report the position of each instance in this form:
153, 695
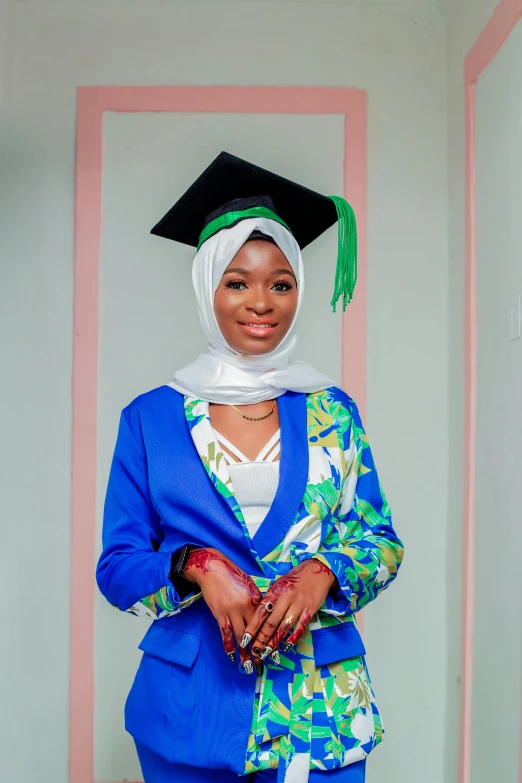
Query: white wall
397, 53
497, 627
497, 657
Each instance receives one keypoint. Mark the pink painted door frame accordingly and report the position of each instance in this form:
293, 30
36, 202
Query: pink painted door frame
92, 103
488, 44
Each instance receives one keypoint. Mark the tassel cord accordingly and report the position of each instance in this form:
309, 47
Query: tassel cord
346, 267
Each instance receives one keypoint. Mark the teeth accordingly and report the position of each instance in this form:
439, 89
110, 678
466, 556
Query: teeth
260, 326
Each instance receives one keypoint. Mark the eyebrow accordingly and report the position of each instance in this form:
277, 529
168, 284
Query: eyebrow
240, 271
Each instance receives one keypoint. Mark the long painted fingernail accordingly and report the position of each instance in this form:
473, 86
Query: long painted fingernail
265, 652
275, 657
248, 666
287, 646
247, 638
232, 656
257, 651
260, 669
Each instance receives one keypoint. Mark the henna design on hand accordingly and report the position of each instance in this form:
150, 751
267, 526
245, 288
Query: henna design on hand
202, 559
282, 631
228, 639
265, 633
285, 583
300, 629
243, 583
321, 568
264, 611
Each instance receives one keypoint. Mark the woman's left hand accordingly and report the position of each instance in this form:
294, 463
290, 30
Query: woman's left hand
288, 607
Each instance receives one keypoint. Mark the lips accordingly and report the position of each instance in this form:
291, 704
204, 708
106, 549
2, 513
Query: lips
262, 324
258, 328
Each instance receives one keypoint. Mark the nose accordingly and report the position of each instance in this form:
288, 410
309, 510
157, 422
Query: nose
259, 302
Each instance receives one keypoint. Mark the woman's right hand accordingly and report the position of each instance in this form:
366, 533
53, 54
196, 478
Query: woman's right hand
230, 594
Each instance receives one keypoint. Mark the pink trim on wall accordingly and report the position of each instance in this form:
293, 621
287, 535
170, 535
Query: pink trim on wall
353, 377
87, 229
490, 41
92, 103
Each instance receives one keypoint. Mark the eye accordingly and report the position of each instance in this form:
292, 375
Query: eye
282, 286
235, 285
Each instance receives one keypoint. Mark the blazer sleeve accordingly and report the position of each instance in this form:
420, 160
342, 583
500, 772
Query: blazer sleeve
133, 569
362, 549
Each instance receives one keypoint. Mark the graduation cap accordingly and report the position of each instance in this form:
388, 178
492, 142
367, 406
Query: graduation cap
231, 190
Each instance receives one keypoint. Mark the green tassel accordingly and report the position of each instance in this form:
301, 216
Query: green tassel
346, 269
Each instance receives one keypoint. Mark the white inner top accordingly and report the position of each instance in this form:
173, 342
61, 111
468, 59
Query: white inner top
254, 481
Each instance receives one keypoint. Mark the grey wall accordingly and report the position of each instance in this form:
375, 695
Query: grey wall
397, 53
497, 638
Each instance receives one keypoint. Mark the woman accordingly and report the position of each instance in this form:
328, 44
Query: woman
244, 514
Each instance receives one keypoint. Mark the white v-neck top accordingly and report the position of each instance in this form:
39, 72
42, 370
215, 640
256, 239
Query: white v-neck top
254, 481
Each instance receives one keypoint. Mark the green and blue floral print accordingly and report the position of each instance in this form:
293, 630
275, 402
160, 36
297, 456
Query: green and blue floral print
313, 709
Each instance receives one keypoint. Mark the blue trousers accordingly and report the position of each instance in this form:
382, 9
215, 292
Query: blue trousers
157, 770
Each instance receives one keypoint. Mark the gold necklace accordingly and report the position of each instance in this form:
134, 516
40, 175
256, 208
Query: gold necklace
259, 418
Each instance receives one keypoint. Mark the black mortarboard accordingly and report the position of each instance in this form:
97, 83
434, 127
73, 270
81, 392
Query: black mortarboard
231, 190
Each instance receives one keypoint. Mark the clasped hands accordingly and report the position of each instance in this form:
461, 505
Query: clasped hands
259, 625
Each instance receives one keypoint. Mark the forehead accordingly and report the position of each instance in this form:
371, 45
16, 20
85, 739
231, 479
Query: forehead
259, 256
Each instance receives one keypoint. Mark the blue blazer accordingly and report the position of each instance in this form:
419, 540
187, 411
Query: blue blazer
187, 702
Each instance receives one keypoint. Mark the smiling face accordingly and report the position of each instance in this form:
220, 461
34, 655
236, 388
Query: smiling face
256, 299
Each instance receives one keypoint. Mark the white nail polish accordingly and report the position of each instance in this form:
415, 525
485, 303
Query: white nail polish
275, 657
249, 667
265, 652
247, 638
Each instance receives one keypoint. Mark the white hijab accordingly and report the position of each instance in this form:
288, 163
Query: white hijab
222, 375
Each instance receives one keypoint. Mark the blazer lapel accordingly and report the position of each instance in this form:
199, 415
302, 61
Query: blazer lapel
293, 473
212, 457
293, 468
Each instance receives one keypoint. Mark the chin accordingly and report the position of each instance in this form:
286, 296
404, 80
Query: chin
255, 350
254, 347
